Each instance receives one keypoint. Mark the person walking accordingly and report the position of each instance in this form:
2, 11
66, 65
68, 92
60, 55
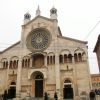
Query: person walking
92, 95
55, 96
45, 96
5, 95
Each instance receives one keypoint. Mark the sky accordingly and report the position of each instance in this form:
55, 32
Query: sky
78, 19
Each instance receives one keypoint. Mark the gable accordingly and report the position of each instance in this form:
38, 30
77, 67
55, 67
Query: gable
39, 21
70, 43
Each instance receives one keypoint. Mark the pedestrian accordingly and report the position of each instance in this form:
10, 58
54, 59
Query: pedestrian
1, 97
45, 96
55, 96
92, 95
5, 95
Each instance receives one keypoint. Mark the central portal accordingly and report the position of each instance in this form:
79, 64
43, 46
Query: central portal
39, 85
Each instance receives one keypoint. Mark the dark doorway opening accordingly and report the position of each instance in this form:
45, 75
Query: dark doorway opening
39, 86
12, 91
68, 92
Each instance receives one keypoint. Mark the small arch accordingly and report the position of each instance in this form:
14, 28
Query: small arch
35, 73
65, 51
51, 58
61, 59
79, 50
10, 64
65, 58
80, 57
50, 54
54, 59
14, 58
67, 81
14, 64
70, 58
4, 63
13, 83
75, 57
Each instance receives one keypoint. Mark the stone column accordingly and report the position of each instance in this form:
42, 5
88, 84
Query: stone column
31, 63
57, 72
57, 65
7, 73
45, 61
45, 89
63, 58
18, 87
75, 77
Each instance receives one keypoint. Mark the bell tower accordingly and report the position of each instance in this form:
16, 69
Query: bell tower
53, 13
27, 18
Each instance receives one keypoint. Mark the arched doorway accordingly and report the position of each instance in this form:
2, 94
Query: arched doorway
67, 90
39, 85
12, 90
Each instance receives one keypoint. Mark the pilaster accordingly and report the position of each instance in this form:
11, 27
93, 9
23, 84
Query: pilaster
45, 61
75, 77
57, 71
7, 74
31, 63
18, 87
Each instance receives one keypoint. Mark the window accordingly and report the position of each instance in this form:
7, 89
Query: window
80, 57
75, 57
48, 60
65, 58
70, 58
61, 59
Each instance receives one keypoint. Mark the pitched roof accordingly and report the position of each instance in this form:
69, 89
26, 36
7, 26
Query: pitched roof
85, 42
39, 17
10, 47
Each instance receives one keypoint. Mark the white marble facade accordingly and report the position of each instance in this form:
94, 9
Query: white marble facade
45, 61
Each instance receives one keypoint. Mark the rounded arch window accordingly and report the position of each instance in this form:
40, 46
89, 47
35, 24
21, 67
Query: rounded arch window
65, 58
75, 57
70, 58
80, 57
60, 58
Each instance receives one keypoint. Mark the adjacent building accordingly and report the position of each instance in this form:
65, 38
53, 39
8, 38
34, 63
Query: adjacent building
97, 51
95, 80
45, 61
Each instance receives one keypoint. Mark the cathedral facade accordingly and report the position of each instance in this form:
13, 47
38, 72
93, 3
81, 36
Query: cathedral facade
45, 61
